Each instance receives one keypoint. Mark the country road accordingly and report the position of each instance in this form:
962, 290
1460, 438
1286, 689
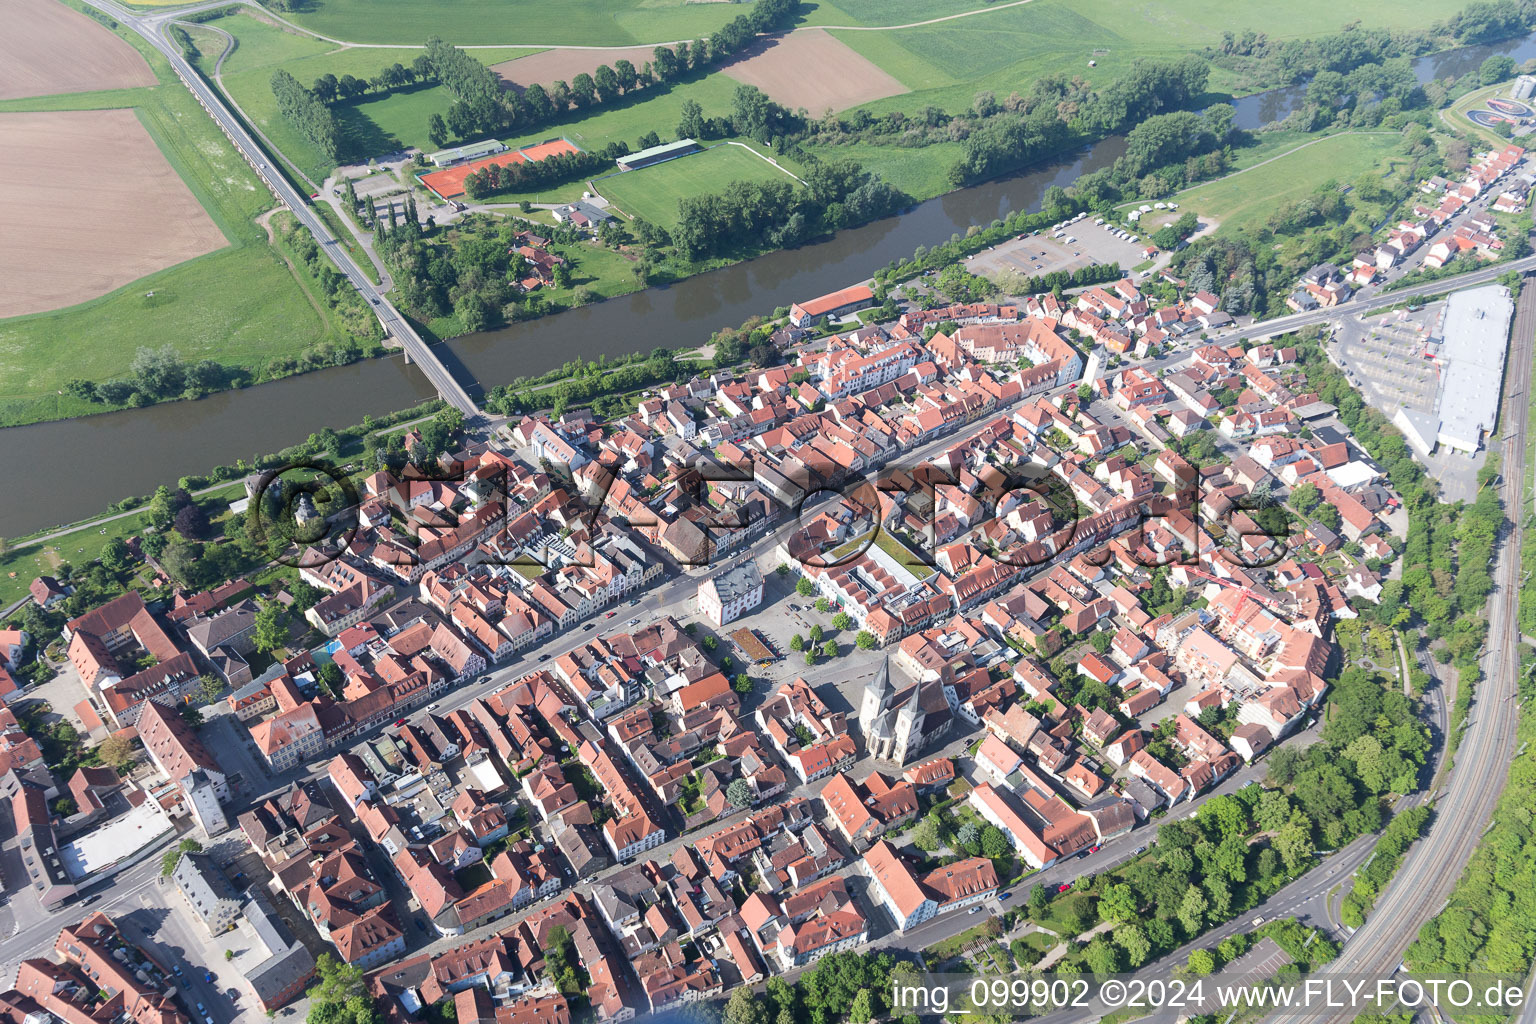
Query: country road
152, 28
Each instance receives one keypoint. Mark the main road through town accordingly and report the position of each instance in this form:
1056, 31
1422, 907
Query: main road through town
152, 27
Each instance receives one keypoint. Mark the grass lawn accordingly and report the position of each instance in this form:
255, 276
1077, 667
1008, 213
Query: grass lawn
1247, 199
657, 110
240, 305
654, 192
918, 172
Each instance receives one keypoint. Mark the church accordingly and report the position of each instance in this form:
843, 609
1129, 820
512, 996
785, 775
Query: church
898, 725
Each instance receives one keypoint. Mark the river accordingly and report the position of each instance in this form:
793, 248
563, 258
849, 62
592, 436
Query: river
66, 470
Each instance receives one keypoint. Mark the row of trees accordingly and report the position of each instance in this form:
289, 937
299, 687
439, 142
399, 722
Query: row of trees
1094, 273
328, 88
836, 194
313, 119
527, 175
483, 107
589, 380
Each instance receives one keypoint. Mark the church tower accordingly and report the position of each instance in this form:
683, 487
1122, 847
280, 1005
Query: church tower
877, 694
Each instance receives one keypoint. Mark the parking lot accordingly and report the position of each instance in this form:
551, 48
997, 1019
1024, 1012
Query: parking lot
1033, 255
1385, 356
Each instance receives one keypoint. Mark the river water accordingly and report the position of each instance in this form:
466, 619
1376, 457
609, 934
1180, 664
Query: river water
64, 471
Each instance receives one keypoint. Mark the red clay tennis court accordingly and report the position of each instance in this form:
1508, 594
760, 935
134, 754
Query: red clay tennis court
449, 182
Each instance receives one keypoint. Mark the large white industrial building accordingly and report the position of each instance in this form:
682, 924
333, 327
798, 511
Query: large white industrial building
1473, 337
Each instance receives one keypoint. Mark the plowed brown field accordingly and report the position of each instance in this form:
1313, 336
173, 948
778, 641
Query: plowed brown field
90, 204
813, 70
47, 48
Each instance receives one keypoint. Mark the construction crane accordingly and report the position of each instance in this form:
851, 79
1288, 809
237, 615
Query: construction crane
1246, 592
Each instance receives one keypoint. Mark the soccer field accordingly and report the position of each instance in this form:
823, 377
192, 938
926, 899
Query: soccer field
653, 192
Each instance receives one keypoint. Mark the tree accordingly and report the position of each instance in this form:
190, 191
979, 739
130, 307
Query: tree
271, 630
745, 1008
161, 509
925, 836
192, 522
583, 90
690, 124
1201, 962
865, 640
1102, 956
210, 687
797, 642
1305, 497
994, 844
810, 657
437, 131
1117, 903
1496, 69
862, 1011
627, 76
969, 838
804, 587
1192, 910
829, 649
823, 605
842, 621
116, 752
606, 82
1133, 939
739, 793
817, 633
116, 557
191, 715
1039, 899
742, 683
172, 857
1294, 842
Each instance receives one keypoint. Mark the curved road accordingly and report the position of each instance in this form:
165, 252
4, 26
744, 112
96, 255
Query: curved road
152, 27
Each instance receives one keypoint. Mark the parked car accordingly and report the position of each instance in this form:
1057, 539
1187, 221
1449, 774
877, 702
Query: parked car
543, 657
1064, 886
208, 977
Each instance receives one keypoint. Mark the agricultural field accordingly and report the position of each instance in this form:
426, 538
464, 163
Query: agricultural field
1246, 199
241, 304
813, 70
48, 48
89, 233
653, 192
527, 22
549, 66
381, 123
1010, 46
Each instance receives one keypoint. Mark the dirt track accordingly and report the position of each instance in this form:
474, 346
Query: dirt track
813, 70
89, 204
47, 48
